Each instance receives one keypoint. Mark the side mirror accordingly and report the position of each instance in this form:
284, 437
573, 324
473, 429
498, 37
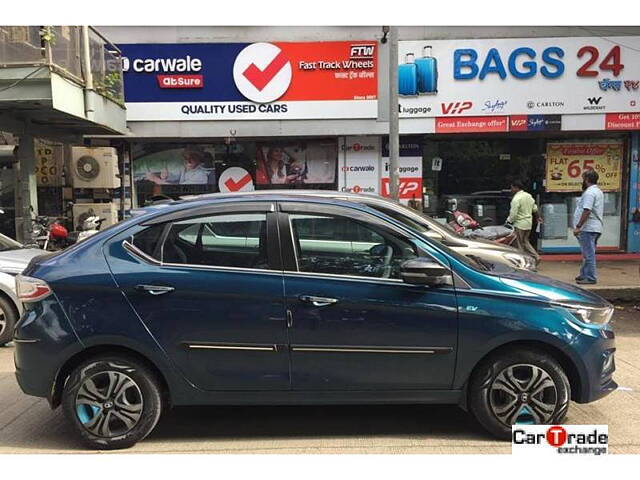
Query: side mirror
424, 271
433, 235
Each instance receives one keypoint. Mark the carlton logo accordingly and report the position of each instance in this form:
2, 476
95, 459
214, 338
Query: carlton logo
262, 72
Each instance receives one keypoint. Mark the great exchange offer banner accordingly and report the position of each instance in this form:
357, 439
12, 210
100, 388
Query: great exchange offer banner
567, 161
257, 81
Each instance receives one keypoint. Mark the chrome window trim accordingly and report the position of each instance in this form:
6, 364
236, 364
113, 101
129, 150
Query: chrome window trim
143, 256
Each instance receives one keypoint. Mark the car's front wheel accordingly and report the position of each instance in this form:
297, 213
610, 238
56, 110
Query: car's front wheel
518, 386
112, 401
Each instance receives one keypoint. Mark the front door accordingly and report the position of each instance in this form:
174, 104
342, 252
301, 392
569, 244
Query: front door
209, 289
354, 324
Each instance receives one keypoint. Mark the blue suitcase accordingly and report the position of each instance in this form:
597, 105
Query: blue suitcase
407, 77
427, 72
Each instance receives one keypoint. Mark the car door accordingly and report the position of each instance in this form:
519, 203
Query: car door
208, 286
354, 325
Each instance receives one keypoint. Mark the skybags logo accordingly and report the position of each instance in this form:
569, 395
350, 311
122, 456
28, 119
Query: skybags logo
594, 104
567, 439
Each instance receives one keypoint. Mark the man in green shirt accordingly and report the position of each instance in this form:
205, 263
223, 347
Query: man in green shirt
523, 206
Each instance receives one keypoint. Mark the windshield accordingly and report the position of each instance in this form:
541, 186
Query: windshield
422, 228
7, 243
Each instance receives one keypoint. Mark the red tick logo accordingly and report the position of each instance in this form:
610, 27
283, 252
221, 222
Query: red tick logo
262, 72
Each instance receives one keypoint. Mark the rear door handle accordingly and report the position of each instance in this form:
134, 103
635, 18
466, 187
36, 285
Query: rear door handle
318, 301
154, 289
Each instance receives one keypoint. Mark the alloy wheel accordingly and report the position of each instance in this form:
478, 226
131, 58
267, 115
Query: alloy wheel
3, 322
523, 394
109, 404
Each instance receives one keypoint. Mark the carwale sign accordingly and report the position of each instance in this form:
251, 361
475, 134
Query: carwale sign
258, 81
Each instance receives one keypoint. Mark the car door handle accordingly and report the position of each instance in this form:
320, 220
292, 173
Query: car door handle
154, 289
318, 301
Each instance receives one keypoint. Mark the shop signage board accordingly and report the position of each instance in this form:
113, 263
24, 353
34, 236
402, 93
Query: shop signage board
622, 121
567, 161
258, 81
519, 76
48, 164
364, 167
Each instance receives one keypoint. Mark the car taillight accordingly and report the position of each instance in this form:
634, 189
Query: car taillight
31, 289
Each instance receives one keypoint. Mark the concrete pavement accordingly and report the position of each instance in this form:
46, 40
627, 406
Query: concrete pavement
27, 425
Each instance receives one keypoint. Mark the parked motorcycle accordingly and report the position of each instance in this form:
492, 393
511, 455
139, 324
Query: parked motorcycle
466, 226
48, 233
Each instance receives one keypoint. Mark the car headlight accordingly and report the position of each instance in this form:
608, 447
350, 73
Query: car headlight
518, 261
589, 314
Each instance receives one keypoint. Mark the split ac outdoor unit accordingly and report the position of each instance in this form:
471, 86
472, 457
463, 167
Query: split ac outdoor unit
94, 167
108, 211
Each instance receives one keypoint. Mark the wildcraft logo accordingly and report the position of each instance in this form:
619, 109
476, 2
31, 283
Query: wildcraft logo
594, 104
560, 439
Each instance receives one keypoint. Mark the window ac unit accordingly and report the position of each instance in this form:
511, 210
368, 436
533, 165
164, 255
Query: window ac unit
108, 211
94, 167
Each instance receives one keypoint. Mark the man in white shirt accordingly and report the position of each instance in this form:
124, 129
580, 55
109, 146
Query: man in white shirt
588, 224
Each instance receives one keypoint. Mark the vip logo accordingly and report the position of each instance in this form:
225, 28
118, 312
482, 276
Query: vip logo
362, 51
455, 108
594, 100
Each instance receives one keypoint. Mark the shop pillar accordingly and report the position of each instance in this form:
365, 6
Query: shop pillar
633, 236
27, 188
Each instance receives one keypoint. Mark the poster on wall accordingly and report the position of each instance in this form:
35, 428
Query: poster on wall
567, 161
518, 76
296, 163
49, 162
189, 165
257, 81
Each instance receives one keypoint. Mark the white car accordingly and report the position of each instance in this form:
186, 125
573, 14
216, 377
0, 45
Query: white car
14, 258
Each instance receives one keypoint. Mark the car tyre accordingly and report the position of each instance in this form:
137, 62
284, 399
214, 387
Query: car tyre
518, 386
8, 319
112, 401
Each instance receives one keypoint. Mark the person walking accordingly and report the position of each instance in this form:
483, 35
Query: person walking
587, 225
523, 207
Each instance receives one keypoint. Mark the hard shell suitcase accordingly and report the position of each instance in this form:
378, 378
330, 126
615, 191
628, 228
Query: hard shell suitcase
427, 72
407, 77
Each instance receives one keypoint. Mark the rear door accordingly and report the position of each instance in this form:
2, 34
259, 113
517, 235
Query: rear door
355, 325
208, 287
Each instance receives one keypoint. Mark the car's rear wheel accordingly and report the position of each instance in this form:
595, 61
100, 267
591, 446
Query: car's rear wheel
112, 401
518, 386
8, 319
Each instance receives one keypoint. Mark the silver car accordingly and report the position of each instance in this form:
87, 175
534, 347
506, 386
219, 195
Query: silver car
14, 258
492, 255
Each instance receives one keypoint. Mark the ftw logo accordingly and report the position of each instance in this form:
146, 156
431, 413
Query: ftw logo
362, 51
594, 100
455, 108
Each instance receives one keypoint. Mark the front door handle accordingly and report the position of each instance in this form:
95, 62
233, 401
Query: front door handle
318, 301
154, 289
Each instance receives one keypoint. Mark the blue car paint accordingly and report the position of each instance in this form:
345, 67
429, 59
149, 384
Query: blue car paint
91, 307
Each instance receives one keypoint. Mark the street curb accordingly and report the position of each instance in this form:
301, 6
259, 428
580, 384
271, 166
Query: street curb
612, 294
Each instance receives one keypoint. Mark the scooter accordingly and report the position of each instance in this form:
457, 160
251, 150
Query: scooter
89, 226
465, 226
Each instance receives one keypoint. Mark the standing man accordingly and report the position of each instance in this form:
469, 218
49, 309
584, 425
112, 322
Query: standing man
587, 225
523, 206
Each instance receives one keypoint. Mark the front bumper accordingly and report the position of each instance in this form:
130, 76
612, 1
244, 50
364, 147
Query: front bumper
596, 350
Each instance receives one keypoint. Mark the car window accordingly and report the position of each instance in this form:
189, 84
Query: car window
342, 246
231, 240
148, 240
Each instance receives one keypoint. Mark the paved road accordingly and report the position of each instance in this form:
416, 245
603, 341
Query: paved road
27, 425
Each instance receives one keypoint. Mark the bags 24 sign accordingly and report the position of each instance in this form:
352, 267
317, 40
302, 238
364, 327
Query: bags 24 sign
239, 81
532, 76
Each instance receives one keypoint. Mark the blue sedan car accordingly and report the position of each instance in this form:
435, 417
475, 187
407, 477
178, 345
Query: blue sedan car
283, 299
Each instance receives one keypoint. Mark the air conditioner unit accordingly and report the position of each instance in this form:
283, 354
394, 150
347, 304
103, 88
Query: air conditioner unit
108, 211
94, 167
